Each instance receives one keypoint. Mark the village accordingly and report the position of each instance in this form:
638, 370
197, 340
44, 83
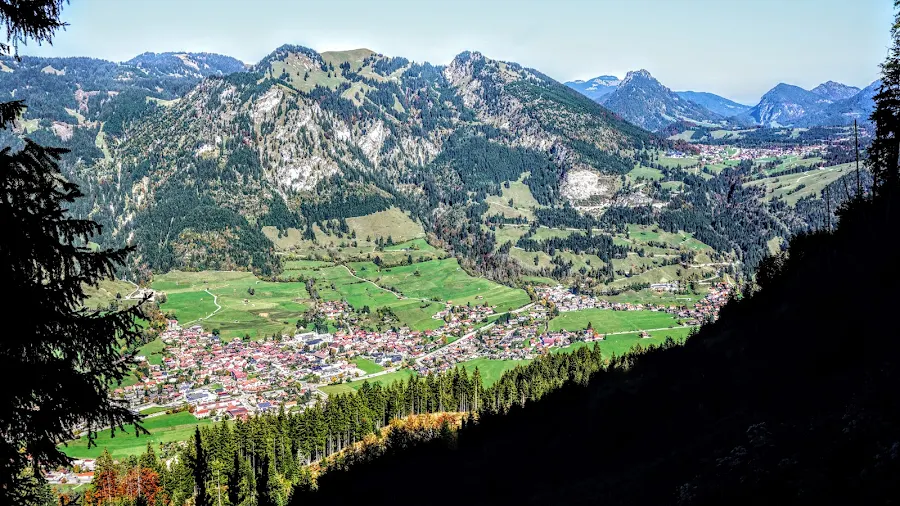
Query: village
713, 154
237, 379
201, 373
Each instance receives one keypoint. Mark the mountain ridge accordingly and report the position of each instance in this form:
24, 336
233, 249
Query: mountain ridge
644, 101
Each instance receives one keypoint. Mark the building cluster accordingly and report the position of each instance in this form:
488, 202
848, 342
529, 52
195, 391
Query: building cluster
241, 378
710, 154
79, 471
706, 309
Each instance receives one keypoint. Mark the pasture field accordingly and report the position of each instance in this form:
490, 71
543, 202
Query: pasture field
645, 233
491, 370
443, 280
273, 308
605, 321
651, 297
105, 292
523, 201
155, 409
543, 233
392, 223
163, 428
508, 234
662, 274
384, 379
620, 344
413, 245
672, 163
672, 185
793, 187
360, 293
153, 351
645, 173
791, 162
367, 365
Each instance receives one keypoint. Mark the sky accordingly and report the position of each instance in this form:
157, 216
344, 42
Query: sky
735, 48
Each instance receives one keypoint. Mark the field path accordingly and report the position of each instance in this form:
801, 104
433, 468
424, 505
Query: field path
398, 295
210, 315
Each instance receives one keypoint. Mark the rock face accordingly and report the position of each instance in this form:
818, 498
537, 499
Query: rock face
644, 101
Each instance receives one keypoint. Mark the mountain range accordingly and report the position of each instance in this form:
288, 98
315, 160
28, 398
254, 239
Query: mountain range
189, 168
645, 102
202, 162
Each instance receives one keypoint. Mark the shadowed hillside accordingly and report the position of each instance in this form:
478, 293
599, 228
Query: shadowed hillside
788, 397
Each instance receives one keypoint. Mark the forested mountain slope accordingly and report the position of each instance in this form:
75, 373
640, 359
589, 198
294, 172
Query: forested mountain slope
774, 402
304, 137
189, 169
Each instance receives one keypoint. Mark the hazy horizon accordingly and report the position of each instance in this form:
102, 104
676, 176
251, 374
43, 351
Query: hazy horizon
737, 49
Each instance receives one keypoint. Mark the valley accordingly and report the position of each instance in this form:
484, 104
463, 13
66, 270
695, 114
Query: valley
324, 229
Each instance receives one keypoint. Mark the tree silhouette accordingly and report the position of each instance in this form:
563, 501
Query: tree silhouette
58, 360
884, 153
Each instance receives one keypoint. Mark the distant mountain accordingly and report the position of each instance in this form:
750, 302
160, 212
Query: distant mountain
835, 91
196, 65
829, 104
784, 105
83, 90
644, 101
596, 87
842, 112
719, 105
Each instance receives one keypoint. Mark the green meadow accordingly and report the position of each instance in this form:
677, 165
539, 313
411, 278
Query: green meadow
620, 344
490, 369
443, 280
163, 429
605, 321
384, 379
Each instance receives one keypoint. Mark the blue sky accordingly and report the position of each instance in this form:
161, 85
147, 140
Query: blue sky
736, 48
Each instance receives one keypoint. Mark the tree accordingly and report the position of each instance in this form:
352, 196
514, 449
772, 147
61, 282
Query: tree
199, 465
884, 152
70, 355
234, 480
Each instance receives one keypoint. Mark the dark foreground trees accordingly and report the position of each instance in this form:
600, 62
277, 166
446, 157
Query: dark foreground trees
57, 359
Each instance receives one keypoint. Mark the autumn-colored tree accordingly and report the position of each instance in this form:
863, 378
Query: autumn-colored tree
105, 483
142, 483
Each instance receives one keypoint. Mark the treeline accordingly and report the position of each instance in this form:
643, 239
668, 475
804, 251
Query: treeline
264, 460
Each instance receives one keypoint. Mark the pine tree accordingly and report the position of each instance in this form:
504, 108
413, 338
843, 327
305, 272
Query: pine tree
234, 480
199, 464
57, 359
884, 152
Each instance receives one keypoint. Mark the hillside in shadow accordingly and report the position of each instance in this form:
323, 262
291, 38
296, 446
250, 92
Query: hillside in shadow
790, 397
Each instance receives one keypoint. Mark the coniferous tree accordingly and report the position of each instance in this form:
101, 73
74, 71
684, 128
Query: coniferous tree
884, 152
234, 480
69, 355
199, 465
